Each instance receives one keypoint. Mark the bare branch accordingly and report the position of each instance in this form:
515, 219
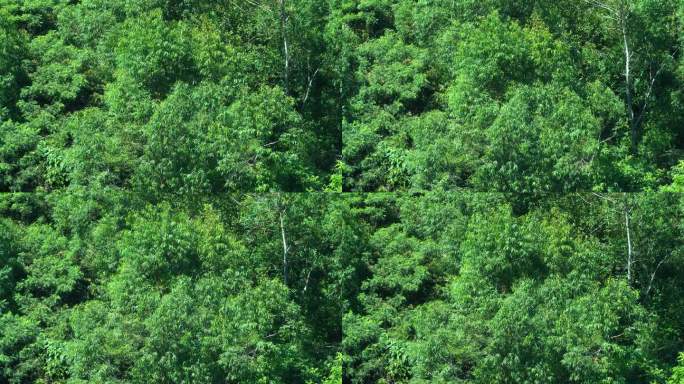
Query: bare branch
602, 5
600, 196
286, 51
650, 282
650, 87
285, 246
630, 260
308, 87
306, 283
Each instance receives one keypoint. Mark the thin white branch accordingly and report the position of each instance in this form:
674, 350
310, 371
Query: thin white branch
285, 247
286, 51
602, 5
306, 283
308, 87
650, 282
629, 249
650, 87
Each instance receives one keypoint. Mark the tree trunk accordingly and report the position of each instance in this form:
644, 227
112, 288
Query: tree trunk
630, 259
628, 82
286, 50
285, 247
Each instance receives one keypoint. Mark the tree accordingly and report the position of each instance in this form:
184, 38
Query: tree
623, 13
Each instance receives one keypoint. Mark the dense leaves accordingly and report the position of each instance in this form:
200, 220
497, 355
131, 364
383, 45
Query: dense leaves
157, 290
130, 136
255, 103
171, 175
512, 96
462, 289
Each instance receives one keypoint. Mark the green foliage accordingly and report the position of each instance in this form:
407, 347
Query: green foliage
129, 134
677, 179
161, 162
10, 59
455, 94
208, 67
677, 372
154, 53
176, 294
543, 139
461, 289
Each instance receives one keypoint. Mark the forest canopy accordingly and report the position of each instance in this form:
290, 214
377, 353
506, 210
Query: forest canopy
341, 191
479, 288
513, 96
183, 97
